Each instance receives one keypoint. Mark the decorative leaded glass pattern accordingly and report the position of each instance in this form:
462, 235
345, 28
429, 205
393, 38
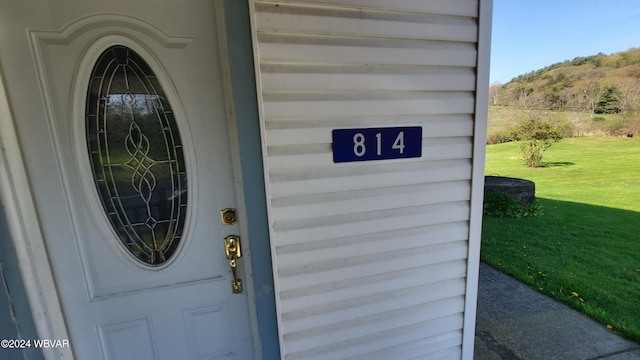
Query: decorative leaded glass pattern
136, 155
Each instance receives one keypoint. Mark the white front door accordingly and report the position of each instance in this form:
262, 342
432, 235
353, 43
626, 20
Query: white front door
120, 112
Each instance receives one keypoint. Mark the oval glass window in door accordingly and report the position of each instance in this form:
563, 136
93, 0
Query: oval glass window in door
136, 155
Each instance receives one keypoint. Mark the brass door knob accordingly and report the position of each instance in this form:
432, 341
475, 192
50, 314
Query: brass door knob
233, 252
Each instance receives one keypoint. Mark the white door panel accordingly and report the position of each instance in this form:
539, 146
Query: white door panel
114, 305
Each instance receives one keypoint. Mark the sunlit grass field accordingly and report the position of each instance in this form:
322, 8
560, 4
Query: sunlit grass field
585, 249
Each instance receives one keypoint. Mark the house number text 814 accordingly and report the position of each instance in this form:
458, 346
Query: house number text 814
376, 143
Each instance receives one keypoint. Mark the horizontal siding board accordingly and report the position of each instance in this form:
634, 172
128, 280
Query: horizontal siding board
401, 259
309, 122
286, 133
310, 317
325, 250
307, 49
410, 237
460, 8
355, 347
445, 354
381, 322
358, 201
333, 179
366, 168
340, 104
438, 79
357, 224
354, 306
330, 69
293, 18
354, 96
366, 256
435, 121
418, 348
345, 289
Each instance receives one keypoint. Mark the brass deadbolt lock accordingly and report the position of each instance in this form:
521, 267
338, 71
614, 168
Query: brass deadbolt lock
228, 216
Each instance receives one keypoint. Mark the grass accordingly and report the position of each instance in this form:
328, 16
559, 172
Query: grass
585, 249
601, 171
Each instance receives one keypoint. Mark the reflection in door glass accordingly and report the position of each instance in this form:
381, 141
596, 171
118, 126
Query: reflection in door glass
136, 155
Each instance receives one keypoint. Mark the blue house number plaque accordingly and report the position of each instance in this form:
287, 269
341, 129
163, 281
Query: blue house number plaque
376, 143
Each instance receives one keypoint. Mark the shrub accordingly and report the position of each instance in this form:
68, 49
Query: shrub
504, 206
532, 210
535, 138
500, 205
615, 127
499, 137
566, 129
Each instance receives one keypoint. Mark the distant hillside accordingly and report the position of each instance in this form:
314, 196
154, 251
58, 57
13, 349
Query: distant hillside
599, 84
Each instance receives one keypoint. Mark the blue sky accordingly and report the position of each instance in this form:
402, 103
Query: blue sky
530, 34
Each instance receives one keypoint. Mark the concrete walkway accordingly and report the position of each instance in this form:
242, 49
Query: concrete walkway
517, 322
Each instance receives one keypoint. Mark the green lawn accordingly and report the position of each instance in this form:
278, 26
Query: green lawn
585, 249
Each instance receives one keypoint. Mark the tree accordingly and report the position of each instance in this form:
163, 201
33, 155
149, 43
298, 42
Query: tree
629, 96
535, 138
609, 101
591, 97
494, 93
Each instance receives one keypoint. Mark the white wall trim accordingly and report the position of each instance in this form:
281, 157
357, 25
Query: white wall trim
95, 21
263, 138
477, 189
27, 235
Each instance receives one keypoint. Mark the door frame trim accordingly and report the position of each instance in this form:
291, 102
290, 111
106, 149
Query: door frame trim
239, 81
26, 234
236, 161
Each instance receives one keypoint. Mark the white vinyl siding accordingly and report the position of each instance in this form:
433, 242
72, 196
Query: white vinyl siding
370, 258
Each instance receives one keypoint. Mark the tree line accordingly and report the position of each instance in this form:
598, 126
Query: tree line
594, 98
598, 84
